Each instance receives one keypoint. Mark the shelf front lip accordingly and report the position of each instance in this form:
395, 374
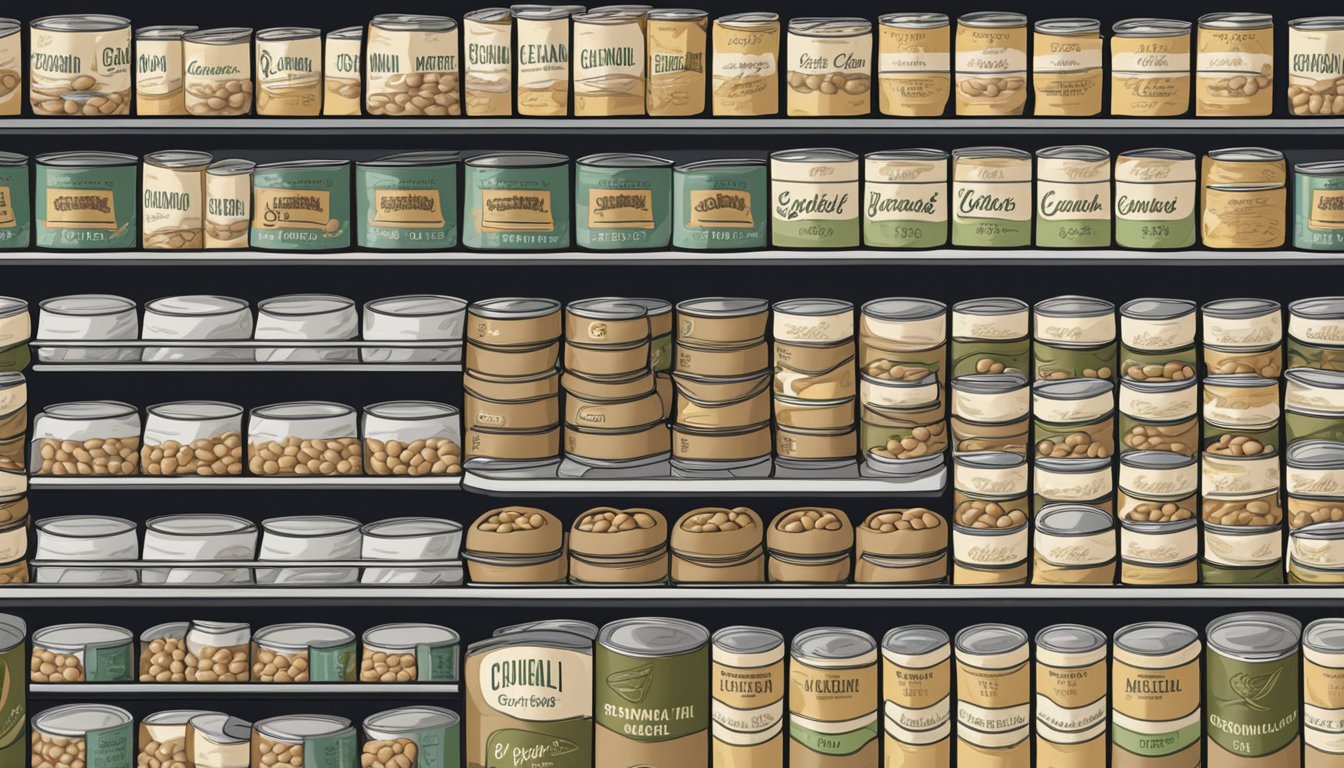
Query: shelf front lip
206, 690
397, 483
925, 487
246, 367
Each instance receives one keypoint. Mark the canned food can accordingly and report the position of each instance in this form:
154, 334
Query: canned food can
1073, 196
721, 204
542, 35
1244, 198
1234, 65
993, 696
748, 703
1322, 671
991, 63
1071, 688
746, 65
342, 72
622, 201
101, 735
301, 205
1253, 690
11, 66
1150, 68
609, 63
905, 198
228, 203
517, 201
830, 67
991, 197
917, 697
1155, 695
1073, 544
86, 200
172, 206
1318, 195
914, 64
13, 701
325, 741
1066, 68
676, 48
424, 736
833, 699
218, 74
1155, 192
815, 194
159, 70
16, 214
83, 55
411, 66
289, 72
95, 653
407, 201
1315, 77
487, 41
1316, 333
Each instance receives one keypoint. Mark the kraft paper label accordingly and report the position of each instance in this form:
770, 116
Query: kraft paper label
720, 208
1155, 694
543, 66
80, 209
292, 209
407, 208
620, 209
7, 217
1327, 209
516, 210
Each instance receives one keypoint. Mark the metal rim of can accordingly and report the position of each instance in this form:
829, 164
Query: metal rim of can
1315, 378
1074, 152
1156, 460
677, 14
620, 160
526, 159
231, 166
1071, 466
1156, 309
12, 159
417, 159
41, 721
1238, 381
915, 639
221, 305
990, 153
606, 308
1332, 531
544, 12
993, 306
413, 22
830, 26
296, 164
409, 528
86, 159
813, 307
913, 153
175, 716
200, 524
726, 162
489, 15
914, 20
513, 308
903, 308
1073, 306
305, 410
346, 33
1163, 527
620, 637
1157, 387
1315, 454
989, 639
273, 727
1322, 23
992, 20
219, 36
422, 305
814, 155
84, 410
1157, 153
179, 159
610, 17
1066, 390
278, 34
1273, 636
1070, 520
1320, 168
87, 305
446, 636
108, 634
438, 717
1243, 187
1240, 308
989, 384
304, 304
1318, 308
1245, 155
722, 306
164, 32
1068, 27
1143, 638
745, 640
990, 460
9, 27
81, 22
572, 626
820, 644
1236, 20
1324, 635
748, 19
306, 635
1070, 638
1150, 27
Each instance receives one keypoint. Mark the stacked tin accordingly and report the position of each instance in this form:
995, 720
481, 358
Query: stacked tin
991, 407
1239, 462
814, 388
1074, 359
1157, 501
615, 417
1244, 194
721, 426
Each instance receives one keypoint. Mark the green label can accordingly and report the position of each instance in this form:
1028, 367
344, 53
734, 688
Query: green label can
517, 201
434, 732
1318, 218
622, 201
86, 200
100, 735
1253, 691
407, 201
721, 204
301, 205
309, 741
652, 694
1155, 191
991, 197
13, 703
905, 198
1073, 197
16, 213
814, 195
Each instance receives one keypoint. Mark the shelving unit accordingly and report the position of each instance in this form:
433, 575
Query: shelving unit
194, 691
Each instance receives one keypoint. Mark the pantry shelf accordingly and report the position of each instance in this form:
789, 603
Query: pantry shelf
247, 367
210, 690
396, 483
921, 487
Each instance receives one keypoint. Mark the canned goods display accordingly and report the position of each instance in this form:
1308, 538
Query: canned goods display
917, 696
79, 732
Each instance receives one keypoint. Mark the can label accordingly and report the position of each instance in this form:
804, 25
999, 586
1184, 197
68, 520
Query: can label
172, 206
913, 70
652, 700
218, 78
543, 67
991, 69
1150, 76
531, 707
289, 76
746, 69
420, 64
488, 85
332, 665
11, 67
342, 77
843, 64
13, 706
1252, 707
80, 62
676, 67
609, 69
158, 78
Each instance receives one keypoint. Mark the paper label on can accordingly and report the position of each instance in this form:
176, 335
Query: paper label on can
407, 208
158, 67
436, 663
912, 61
652, 700
857, 735
1314, 54
742, 65
1004, 201
543, 66
393, 53
110, 747
1152, 55
58, 58
555, 745
214, 64
609, 59
748, 688
515, 210
487, 55
811, 201
720, 208
828, 55
925, 719
7, 217
171, 200
993, 719
80, 209
1154, 739
1154, 202
620, 208
13, 709
1069, 719
1327, 209
1252, 706
1321, 718
1234, 61
537, 684
329, 751
1244, 550
899, 201
1056, 53
746, 720
331, 665
437, 747
1062, 201
1158, 548
991, 51
292, 208
107, 664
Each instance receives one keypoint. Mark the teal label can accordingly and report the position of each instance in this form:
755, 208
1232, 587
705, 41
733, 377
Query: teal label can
721, 204
16, 213
622, 201
905, 198
517, 201
1073, 197
814, 197
86, 200
433, 731
99, 735
1155, 192
302, 205
1318, 217
991, 197
407, 202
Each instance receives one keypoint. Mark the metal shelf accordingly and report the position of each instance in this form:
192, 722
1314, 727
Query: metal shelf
249, 367
190, 482
209, 690
923, 487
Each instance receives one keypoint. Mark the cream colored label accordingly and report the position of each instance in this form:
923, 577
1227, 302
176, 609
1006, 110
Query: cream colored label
1243, 550
1155, 695
991, 481
1320, 331
158, 67
1075, 550
537, 684
830, 55
829, 75
1327, 209
729, 719
982, 51
488, 66
1154, 202
1072, 486
1259, 331
1159, 406
1323, 729
746, 69
676, 67
989, 549
343, 77
900, 200
11, 73
917, 689
1057, 53
1098, 329
833, 694
1235, 50
60, 60
407, 208
1176, 482
620, 208
215, 75
1314, 482
997, 327
1322, 553
923, 719
1158, 334
795, 200
543, 66
910, 62
1315, 54
16, 396
391, 57
746, 684
1244, 218
995, 720
716, 208
1239, 475
1054, 411
291, 209
609, 64
1010, 201
1315, 398
289, 76
172, 207
516, 210
1069, 719
881, 394
228, 202
1161, 56
80, 209
1158, 548
1061, 201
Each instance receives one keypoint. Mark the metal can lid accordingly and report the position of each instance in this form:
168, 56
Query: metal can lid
517, 160
1240, 308
164, 32
810, 307
623, 160
722, 306
612, 14
747, 640
513, 308
1155, 638
410, 719
990, 460
414, 159
221, 728
81, 22
1072, 520
990, 153
915, 639
1073, 306
1074, 152
748, 19
545, 637
179, 158
287, 33
174, 716
914, 20
992, 19
677, 14
9, 26
303, 636
1245, 155
299, 304
1079, 466
1156, 460
405, 635
195, 524
1319, 308
79, 719
989, 383
989, 307
82, 159
219, 36
346, 33
87, 304
533, 12
413, 22
90, 410
1254, 636
1070, 638
1239, 381
1315, 454
296, 411
416, 305
904, 308
653, 637
1156, 309
305, 526
1067, 26
1325, 635
301, 727
607, 308
8, 159
290, 164
13, 630
720, 162
232, 166
828, 644
489, 15
990, 639
1071, 389
1236, 20
573, 626
1157, 153
823, 26
1324, 23
814, 155
1151, 28
913, 153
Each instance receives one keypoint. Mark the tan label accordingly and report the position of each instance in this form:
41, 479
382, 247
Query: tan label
1155, 694
515, 210
418, 65
487, 60
991, 69
11, 73
609, 69
172, 207
543, 67
7, 216
1150, 76
80, 209
342, 76
1323, 686
1250, 218
994, 688
218, 78
289, 76
620, 208
916, 688
829, 76
746, 69
407, 208
720, 208
676, 67
228, 200
158, 78
1072, 687
747, 688
1066, 74
65, 61
913, 70
832, 694
291, 209
1327, 209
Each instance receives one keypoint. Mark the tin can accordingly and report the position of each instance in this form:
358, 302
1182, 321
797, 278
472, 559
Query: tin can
1157, 332
172, 206
86, 200
517, 201
104, 734
407, 201
289, 72
1253, 690
328, 741
159, 70
411, 66
1074, 338
1244, 198
983, 550
1155, 687
1234, 65
83, 55
917, 697
991, 197
1150, 68
13, 702
1318, 194
1073, 195
1155, 192
993, 696
1071, 688
815, 198
830, 67
622, 201
748, 697
677, 59
16, 215
914, 64
301, 205
228, 203
1315, 86
833, 699
721, 204
543, 51
1316, 333
342, 72
905, 198
609, 63
1323, 694
1066, 68
746, 65
991, 63
652, 699
434, 732
218, 72
1073, 544
11, 66
991, 335
487, 41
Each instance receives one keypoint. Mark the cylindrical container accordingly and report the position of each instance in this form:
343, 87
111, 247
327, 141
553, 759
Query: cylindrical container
16, 212
13, 704
542, 52
80, 65
1155, 192
1073, 544
71, 730
304, 739
1150, 68
407, 201
1073, 418
622, 201
991, 197
412, 437
991, 487
993, 696
487, 77
991, 63
1234, 65
1244, 198
1323, 696
299, 653
833, 699
815, 198
218, 72
91, 437
721, 204
342, 72
228, 203
289, 72
1312, 407
425, 736
609, 62
1314, 84
746, 65
1318, 216
193, 437
990, 413
1073, 194
905, 198
901, 332
1243, 337
652, 700
409, 652
159, 70
93, 653
748, 697
676, 45
914, 64
324, 434
1155, 687
1316, 333
86, 200
830, 67
1073, 337
916, 697
1159, 416
1253, 691
990, 335
11, 67
411, 66
1071, 689
1157, 332
172, 204
1080, 481
517, 201
1314, 483
301, 205
1066, 67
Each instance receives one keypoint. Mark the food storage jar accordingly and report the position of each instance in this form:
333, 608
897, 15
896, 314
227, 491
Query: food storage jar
420, 318
291, 737
307, 317
320, 541
94, 437
88, 317
301, 653
220, 319
194, 540
86, 538
193, 437
325, 434
71, 730
79, 653
410, 652
410, 541
412, 437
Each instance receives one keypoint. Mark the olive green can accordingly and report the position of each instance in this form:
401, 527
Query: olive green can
721, 204
517, 201
86, 200
1155, 195
1253, 691
13, 701
622, 202
301, 205
16, 213
1318, 216
652, 694
407, 201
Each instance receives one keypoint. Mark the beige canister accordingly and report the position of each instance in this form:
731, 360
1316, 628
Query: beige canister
218, 73
746, 65
487, 50
1150, 68
914, 64
1155, 696
411, 66
80, 65
676, 44
1071, 688
993, 697
342, 72
1315, 68
830, 67
833, 699
11, 66
172, 201
1245, 198
541, 33
609, 63
1066, 67
158, 70
991, 63
289, 72
1323, 693
747, 686
228, 203
916, 697
1234, 65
